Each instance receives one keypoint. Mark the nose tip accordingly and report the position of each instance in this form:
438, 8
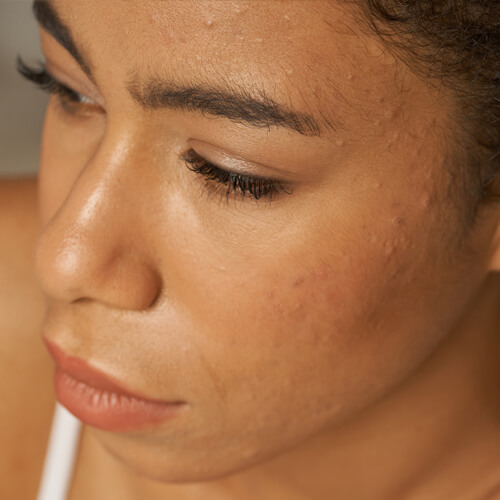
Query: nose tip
84, 265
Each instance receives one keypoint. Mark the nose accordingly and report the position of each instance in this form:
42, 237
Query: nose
95, 245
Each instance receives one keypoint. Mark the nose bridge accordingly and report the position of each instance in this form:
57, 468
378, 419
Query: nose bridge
92, 247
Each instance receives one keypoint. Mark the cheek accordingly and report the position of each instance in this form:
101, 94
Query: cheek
308, 301
350, 306
309, 289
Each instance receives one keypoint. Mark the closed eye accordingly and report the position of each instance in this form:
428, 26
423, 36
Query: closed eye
235, 183
72, 101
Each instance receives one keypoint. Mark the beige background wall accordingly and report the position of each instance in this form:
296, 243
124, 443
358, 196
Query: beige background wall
21, 105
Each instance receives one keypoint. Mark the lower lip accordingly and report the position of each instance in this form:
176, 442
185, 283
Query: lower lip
108, 410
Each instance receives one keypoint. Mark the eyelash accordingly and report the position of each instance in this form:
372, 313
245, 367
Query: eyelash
237, 184
70, 100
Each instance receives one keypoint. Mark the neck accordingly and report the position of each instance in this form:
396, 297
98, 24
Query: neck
442, 422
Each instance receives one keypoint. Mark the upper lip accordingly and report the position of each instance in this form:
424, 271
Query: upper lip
82, 371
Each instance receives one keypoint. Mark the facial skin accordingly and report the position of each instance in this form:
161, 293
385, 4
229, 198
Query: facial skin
277, 322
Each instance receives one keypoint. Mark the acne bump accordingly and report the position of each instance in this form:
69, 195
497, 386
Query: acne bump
299, 282
209, 23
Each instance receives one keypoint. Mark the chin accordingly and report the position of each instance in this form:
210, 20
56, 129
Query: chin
161, 464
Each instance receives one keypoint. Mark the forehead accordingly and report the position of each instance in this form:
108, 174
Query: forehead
311, 55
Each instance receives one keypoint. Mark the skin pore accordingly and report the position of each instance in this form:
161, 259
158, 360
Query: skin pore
338, 340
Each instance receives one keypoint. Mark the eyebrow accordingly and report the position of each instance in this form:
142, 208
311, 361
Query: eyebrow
238, 105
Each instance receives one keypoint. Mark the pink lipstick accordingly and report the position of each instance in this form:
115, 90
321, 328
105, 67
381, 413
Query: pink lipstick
97, 400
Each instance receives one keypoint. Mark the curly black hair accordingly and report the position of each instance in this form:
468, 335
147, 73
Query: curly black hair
458, 43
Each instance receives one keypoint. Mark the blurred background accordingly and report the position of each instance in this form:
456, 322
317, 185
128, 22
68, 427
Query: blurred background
21, 104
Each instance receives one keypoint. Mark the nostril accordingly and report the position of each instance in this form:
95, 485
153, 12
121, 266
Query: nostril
131, 285
157, 297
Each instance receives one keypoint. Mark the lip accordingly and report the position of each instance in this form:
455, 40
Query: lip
98, 400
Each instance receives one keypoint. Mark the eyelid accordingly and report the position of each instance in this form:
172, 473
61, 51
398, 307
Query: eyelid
237, 164
236, 184
66, 89
76, 86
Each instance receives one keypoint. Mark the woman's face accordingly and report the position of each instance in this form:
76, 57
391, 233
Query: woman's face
273, 319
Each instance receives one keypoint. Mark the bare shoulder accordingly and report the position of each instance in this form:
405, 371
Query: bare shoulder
25, 367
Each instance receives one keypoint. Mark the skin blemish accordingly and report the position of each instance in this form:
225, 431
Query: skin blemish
425, 202
298, 282
389, 251
392, 113
321, 273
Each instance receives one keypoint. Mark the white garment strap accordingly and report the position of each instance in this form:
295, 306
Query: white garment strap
61, 455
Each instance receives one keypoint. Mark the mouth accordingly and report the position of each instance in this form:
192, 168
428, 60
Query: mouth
99, 401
